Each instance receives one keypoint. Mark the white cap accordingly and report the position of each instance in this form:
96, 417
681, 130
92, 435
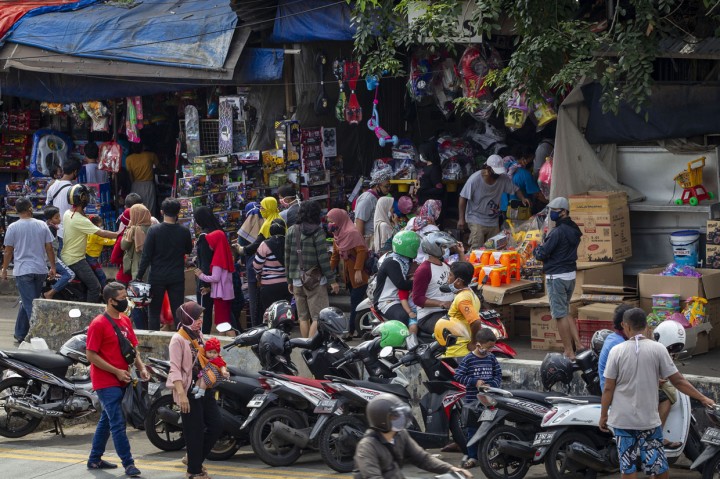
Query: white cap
497, 164
559, 203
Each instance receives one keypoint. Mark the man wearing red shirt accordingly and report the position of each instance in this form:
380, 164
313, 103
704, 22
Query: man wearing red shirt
110, 375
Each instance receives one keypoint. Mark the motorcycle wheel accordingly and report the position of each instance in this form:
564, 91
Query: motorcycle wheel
557, 465
457, 431
263, 444
711, 469
224, 448
338, 440
13, 423
161, 434
496, 465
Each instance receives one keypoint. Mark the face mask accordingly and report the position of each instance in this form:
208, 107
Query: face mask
449, 288
554, 215
482, 351
284, 203
121, 305
332, 228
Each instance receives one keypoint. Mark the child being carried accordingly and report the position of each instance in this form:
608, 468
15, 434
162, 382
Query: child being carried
212, 371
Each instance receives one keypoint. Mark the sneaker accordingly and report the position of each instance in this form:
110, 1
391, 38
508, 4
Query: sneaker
132, 471
102, 464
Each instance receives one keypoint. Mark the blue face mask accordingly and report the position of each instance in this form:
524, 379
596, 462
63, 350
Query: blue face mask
554, 215
449, 288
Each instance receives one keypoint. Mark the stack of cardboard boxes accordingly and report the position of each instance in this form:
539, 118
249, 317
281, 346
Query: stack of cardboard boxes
712, 248
604, 219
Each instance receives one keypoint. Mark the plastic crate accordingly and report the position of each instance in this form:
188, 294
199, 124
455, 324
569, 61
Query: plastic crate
586, 329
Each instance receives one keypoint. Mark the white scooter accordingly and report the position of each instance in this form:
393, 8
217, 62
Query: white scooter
571, 441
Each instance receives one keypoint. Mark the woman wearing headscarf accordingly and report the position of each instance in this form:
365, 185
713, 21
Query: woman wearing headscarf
384, 227
207, 222
132, 242
269, 267
349, 246
220, 278
424, 223
247, 235
201, 420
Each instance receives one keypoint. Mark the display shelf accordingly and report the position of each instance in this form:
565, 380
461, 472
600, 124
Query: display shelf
657, 206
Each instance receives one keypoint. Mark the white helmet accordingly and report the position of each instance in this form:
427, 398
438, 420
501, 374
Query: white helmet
139, 293
671, 334
435, 243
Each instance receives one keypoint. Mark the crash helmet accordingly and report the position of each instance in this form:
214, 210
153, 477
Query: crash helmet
272, 343
139, 293
598, 339
670, 334
455, 327
392, 333
436, 242
386, 413
75, 348
78, 195
333, 321
279, 315
555, 368
406, 243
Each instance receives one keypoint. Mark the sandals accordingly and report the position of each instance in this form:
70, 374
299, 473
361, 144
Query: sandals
671, 445
204, 471
469, 463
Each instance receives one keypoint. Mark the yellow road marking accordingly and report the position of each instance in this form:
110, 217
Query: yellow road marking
170, 466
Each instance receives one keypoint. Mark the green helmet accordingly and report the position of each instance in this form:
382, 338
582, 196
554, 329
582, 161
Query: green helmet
392, 333
406, 243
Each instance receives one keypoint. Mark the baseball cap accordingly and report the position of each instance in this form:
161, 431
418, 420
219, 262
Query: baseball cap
497, 164
559, 203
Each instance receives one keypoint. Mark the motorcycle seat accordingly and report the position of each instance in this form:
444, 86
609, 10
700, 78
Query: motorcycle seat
235, 371
314, 383
534, 395
589, 399
395, 389
39, 359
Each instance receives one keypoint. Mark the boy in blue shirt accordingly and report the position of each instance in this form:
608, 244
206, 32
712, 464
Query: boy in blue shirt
477, 369
520, 171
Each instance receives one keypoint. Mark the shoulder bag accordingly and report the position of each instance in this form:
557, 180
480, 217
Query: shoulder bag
126, 348
310, 279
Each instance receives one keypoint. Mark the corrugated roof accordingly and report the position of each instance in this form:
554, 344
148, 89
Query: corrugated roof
690, 47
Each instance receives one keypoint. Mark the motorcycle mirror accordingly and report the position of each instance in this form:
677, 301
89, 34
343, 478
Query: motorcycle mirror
386, 352
223, 327
333, 350
74, 313
450, 340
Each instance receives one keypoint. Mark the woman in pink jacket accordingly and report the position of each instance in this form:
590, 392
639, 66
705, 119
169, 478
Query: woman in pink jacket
220, 277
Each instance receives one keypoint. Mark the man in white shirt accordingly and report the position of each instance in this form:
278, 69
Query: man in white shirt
57, 193
92, 173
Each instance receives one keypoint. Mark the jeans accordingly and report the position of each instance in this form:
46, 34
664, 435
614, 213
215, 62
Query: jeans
112, 421
357, 296
60, 245
253, 302
472, 452
202, 427
268, 294
97, 269
206, 302
30, 287
139, 317
85, 274
176, 294
66, 275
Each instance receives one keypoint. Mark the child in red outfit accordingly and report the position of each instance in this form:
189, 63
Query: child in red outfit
405, 297
215, 367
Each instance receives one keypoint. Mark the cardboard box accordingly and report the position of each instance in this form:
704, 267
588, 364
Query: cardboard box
597, 202
708, 286
597, 312
544, 333
606, 236
712, 255
713, 232
600, 293
609, 274
507, 293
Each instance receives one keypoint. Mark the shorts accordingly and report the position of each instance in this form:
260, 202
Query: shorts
648, 443
479, 234
559, 293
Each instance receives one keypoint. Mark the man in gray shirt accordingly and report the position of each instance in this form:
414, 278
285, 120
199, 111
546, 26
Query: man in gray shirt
28, 241
480, 199
633, 372
366, 203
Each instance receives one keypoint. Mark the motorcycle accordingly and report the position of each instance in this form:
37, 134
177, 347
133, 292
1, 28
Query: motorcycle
441, 405
507, 421
39, 387
709, 460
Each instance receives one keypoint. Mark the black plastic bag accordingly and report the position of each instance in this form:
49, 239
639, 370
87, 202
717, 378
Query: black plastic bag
135, 404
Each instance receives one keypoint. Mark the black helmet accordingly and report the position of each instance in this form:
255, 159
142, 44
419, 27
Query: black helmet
598, 339
75, 348
279, 315
272, 344
332, 321
384, 409
78, 195
555, 368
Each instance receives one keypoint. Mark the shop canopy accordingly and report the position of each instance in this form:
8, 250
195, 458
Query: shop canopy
183, 33
12, 12
312, 21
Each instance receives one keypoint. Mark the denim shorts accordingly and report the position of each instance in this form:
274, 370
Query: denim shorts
559, 293
648, 444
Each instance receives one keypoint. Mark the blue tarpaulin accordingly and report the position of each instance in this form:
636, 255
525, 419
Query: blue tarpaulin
185, 33
311, 21
258, 65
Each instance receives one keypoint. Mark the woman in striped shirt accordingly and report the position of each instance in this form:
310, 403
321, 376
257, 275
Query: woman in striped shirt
269, 264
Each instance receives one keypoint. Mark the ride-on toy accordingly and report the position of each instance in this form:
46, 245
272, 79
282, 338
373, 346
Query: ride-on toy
691, 183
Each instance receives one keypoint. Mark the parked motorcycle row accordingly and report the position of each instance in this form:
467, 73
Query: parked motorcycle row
282, 415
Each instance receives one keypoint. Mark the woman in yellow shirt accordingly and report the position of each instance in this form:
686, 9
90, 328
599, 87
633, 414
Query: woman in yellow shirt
95, 245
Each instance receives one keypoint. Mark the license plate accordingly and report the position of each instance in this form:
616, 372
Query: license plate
543, 439
711, 436
256, 401
326, 406
152, 388
488, 415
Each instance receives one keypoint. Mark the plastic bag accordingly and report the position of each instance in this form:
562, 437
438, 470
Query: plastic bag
110, 157
135, 404
166, 314
545, 177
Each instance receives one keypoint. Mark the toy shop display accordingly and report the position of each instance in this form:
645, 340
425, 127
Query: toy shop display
50, 149
373, 83
353, 110
690, 181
